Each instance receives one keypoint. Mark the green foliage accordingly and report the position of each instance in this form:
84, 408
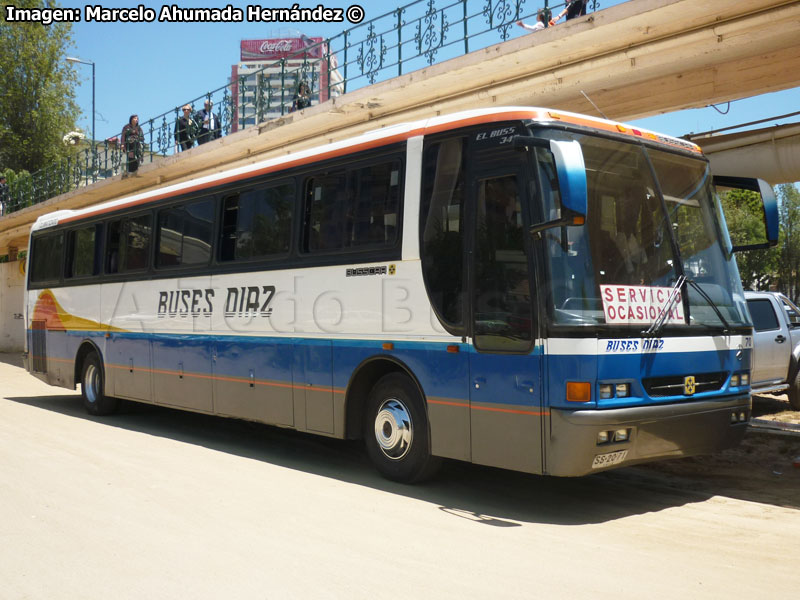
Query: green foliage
777, 267
745, 218
37, 99
789, 243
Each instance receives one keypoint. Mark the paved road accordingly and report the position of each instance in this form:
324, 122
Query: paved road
154, 503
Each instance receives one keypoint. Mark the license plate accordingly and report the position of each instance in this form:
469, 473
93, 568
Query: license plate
606, 460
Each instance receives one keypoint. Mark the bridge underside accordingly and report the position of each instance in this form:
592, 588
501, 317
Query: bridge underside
634, 60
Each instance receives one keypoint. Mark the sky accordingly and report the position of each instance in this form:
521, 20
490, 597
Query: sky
150, 68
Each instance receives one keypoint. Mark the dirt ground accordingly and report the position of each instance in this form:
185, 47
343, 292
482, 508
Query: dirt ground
774, 408
765, 467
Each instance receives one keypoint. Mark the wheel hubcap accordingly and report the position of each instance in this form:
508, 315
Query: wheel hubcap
90, 383
393, 429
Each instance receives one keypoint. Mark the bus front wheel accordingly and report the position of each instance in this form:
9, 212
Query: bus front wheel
92, 385
396, 431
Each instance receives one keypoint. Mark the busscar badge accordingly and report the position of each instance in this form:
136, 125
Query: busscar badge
688, 385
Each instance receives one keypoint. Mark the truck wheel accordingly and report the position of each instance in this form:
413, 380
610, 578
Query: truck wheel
396, 431
794, 392
92, 385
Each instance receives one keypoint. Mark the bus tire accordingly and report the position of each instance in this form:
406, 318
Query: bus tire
396, 431
794, 392
92, 385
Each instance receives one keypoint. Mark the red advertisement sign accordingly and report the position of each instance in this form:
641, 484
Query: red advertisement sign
277, 48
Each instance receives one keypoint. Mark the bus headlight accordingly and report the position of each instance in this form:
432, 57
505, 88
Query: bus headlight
745, 378
735, 380
621, 435
623, 390
606, 391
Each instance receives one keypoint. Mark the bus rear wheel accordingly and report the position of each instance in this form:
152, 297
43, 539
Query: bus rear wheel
396, 431
92, 385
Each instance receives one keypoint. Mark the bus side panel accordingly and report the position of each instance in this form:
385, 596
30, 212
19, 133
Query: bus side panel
128, 370
253, 379
59, 327
182, 375
313, 388
128, 353
182, 344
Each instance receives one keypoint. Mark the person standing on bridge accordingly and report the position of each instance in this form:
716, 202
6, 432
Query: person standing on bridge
540, 22
573, 8
209, 124
302, 99
185, 130
132, 140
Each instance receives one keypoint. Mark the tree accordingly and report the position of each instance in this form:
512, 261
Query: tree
789, 243
37, 98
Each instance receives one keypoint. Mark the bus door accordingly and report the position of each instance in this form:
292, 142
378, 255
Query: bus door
505, 364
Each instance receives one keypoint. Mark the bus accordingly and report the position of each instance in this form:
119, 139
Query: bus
517, 287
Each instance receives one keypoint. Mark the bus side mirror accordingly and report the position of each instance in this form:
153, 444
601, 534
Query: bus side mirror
571, 173
571, 176
769, 205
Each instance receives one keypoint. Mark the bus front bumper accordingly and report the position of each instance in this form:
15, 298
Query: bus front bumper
654, 432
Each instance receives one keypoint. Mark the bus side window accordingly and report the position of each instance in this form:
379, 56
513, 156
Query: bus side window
113, 246
442, 230
46, 256
128, 244
372, 218
138, 232
257, 223
184, 234
82, 252
326, 199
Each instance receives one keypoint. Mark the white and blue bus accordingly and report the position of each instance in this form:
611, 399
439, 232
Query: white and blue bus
516, 287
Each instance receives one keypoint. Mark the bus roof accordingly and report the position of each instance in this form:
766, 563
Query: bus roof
371, 139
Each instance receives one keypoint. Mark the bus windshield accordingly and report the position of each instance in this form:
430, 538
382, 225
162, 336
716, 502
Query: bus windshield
652, 219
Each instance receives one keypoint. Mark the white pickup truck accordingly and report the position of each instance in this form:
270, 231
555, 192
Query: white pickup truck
776, 345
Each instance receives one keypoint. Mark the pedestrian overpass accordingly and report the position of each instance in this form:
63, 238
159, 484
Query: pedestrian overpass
633, 60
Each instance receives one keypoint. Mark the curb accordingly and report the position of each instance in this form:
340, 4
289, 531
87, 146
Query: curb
775, 427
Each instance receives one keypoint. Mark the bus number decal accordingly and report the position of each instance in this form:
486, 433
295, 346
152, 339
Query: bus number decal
501, 136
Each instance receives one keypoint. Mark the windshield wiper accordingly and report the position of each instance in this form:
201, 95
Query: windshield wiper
674, 294
711, 303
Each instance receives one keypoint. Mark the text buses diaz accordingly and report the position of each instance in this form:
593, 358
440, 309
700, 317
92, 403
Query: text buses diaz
518, 287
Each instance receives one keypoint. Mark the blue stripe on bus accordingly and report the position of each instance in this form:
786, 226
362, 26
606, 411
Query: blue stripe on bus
442, 374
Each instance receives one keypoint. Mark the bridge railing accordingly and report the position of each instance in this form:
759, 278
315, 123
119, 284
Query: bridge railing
408, 38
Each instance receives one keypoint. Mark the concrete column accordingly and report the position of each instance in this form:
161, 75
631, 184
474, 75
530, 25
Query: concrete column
12, 324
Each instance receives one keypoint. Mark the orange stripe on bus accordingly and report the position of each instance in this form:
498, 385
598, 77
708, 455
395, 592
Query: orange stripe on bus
230, 379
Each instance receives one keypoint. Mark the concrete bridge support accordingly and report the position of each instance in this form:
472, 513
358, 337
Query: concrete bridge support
12, 324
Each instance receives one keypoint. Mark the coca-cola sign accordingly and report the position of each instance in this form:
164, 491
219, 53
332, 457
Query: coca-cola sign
277, 48
270, 46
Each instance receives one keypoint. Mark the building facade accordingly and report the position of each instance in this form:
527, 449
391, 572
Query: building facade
266, 79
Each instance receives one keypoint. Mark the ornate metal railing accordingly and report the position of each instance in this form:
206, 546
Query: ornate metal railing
405, 39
